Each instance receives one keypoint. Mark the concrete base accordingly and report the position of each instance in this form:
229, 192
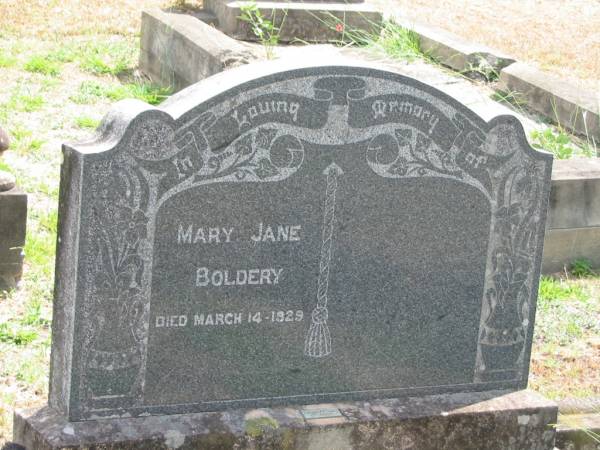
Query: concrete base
180, 49
574, 106
563, 247
13, 222
311, 22
573, 229
578, 432
468, 58
474, 421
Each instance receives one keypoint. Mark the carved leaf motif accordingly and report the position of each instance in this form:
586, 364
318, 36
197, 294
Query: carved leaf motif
511, 213
423, 143
399, 167
244, 146
242, 173
265, 169
264, 137
404, 136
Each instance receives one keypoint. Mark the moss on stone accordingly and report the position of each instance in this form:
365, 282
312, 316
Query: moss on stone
256, 427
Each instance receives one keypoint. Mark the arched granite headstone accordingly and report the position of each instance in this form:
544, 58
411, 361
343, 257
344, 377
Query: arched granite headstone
317, 234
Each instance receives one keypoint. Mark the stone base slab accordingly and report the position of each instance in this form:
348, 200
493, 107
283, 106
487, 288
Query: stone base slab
575, 106
468, 58
13, 221
563, 246
311, 22
493, 420
180, 49
578, 432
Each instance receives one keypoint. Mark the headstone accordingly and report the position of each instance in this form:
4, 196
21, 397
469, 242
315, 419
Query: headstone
13, 221
314, 235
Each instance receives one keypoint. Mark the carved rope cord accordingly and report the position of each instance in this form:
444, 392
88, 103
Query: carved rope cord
318, 339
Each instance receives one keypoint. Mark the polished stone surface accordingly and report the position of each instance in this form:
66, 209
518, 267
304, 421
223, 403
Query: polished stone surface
320, 234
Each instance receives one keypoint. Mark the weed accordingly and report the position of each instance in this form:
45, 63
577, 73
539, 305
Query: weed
43, 65
17, 335
590, 149
581, 268
512, 98
399, 42
482, 69
556, 142
86, 122
33, 313
262, 27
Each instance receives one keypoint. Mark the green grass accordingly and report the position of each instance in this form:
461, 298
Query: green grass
33, 313
553, 290
5, 167
20, 101
107, 57
389, 38
93, 91
398, 42
566, 312
17, 335
89, 92
86, 122
23, 102
23, 141
43, 64
148, 92
41, 241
